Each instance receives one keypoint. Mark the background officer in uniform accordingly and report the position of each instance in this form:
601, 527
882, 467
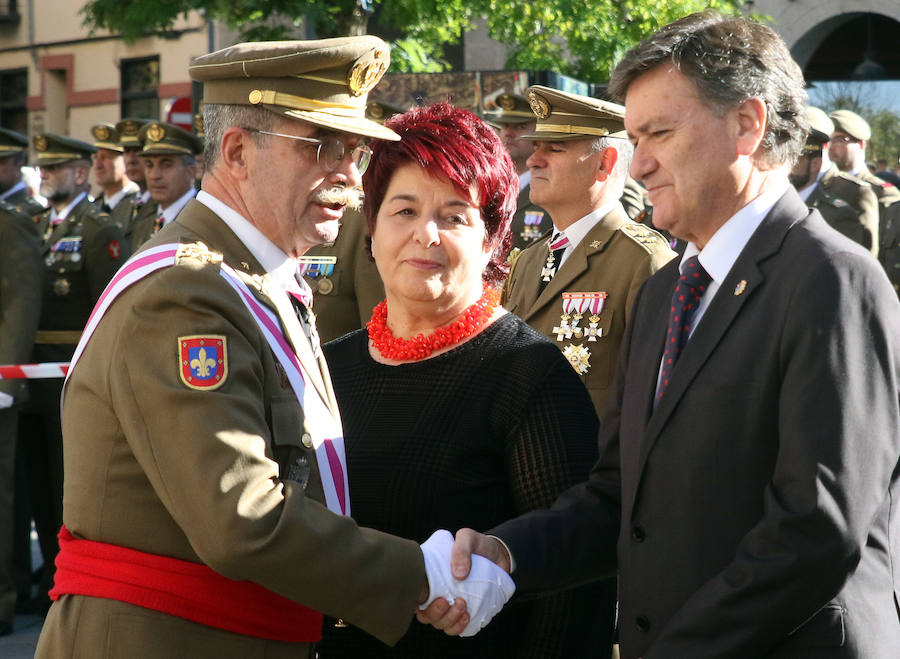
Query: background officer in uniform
13, 155
804, 178
170, 168
118, 193
345, 283
21, 272
513, 115
578, 176
847, 150
129, 136
580, 293
82, 249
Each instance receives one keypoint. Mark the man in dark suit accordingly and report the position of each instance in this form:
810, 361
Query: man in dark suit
748, 475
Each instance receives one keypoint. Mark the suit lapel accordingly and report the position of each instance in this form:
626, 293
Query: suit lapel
740, 285
577, 263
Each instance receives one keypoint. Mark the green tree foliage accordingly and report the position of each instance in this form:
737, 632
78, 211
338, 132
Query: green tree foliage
581, 38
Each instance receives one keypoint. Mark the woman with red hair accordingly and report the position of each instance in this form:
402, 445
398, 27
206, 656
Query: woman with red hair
455, 412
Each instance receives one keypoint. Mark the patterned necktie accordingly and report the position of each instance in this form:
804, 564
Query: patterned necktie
556, 248
685, 301
301, 298
160, 221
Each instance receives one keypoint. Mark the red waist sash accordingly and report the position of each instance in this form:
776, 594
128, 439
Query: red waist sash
180, 588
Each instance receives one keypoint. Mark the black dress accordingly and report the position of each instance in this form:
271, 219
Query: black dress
496, 427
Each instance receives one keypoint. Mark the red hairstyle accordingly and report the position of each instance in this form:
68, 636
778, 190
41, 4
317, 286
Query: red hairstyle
451, 143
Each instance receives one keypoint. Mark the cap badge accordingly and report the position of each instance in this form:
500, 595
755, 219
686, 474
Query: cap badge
155, 133
364, 76
506, 102
40, 143
539, 105
101, 133
130, 128
375, 111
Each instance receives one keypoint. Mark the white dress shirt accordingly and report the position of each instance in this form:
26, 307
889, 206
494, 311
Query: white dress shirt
171, 212
580, 228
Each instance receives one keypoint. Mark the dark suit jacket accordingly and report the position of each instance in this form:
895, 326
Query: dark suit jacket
756, 507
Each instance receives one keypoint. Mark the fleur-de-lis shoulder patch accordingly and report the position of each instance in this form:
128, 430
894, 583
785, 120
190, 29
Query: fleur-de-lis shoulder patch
203, 361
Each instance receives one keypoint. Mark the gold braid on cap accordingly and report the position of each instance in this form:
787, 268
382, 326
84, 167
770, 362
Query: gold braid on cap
574, 130
270, 97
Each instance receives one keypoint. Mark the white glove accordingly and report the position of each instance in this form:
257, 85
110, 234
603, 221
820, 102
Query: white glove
485, 591
6, 400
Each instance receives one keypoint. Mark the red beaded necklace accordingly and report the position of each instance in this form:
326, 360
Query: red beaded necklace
421, 346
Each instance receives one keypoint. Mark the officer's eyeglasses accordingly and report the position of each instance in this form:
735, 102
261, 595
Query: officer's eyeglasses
843, 138
331, 150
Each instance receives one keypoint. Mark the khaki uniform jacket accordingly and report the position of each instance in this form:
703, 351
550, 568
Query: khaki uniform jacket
200, 475
523, 235
21, 277
142, 225
615, 257
838, 214
343, 301
861, 198
124, 210
25, 203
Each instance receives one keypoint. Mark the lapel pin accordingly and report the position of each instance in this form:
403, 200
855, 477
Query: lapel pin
741, 287
596, 244
245, 265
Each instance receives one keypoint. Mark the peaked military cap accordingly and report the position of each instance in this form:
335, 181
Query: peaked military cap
852, 124
379, 111
324, 82
160, 139
106, 137
564, 116
12, 142
53, 149
508, 109
129, 130
820, 130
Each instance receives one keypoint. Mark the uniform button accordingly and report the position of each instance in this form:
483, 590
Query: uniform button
637, 533
642, 623
307, 440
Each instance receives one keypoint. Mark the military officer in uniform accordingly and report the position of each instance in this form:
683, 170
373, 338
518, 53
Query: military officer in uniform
144, 206
577, 284
847, 150
804, 178
204, 455
345, 283
171, 169
854, 191
118, 192
513, 115
13, 155
82, 249
21, 272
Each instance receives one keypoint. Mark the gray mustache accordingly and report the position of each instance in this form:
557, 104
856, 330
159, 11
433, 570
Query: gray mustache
349, 197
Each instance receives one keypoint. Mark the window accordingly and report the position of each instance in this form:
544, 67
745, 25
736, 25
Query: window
9, 12
140, 82
13, 92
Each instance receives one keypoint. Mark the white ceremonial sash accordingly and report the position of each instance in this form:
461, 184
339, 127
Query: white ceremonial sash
325, 431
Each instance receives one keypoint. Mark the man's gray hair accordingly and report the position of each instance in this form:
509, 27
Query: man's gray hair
729, 60
625, 151
217, 118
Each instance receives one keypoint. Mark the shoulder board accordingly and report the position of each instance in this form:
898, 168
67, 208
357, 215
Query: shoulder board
196, 253
643, 235
513, 256
851, 178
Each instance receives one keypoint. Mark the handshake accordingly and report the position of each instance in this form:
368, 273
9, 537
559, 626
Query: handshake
485, 590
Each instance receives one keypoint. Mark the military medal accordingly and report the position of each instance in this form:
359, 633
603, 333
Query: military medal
578, 357
317, 266
61, 286
532, 229
575, 305
550, 268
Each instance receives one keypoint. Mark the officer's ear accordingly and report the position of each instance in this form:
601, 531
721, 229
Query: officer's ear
236, 142
608, 160
82, 171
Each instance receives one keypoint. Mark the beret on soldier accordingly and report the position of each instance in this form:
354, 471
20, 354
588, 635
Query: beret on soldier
160, 138
12, 142
563, 116
53, 149
324, 82
852, 124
